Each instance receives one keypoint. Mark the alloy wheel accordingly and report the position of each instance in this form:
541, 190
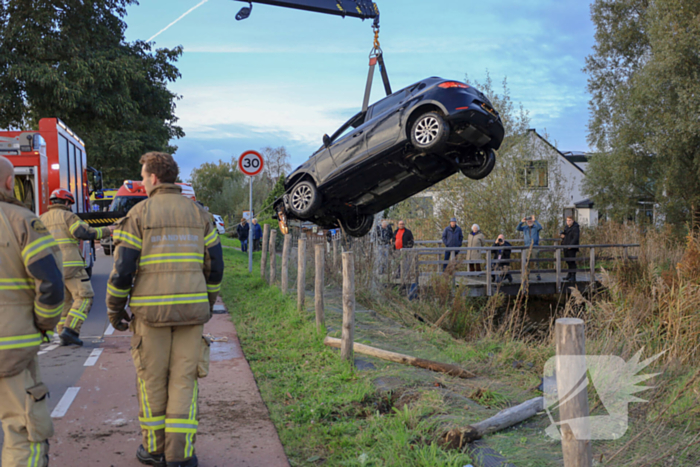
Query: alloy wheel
427, 130
301, 198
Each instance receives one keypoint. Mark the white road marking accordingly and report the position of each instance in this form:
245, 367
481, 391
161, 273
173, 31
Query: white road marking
110, 330
92, 359
48, 348
65, 402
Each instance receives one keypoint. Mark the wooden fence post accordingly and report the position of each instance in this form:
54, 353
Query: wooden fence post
453, 267
570, 341
318, 290
301, 273
557, 257
286, 250
488, 273
348, 333
273, 257
592, 266
523, 266
335, 253
263, 257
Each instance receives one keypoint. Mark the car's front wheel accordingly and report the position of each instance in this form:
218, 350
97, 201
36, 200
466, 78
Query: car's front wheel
486, 161
429, 132
357, 225
304, 199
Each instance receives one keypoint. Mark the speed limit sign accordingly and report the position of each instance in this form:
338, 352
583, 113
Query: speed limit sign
251, 163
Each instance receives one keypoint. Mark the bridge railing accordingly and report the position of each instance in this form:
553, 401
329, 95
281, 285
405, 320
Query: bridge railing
542, 259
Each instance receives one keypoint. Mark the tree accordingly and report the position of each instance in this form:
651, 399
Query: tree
69, 59
226, 190
276, 162
646, 99
524, 162
277, 191
219, 186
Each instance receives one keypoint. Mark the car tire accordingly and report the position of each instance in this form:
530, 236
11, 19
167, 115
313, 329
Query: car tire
357, 225
429, 132
304, 199
107, 250
486, 167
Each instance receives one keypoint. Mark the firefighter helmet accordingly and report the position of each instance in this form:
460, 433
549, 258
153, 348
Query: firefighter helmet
62, 194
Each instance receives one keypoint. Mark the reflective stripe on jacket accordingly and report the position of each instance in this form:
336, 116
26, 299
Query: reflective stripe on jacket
168, 259
68, 229
31, 284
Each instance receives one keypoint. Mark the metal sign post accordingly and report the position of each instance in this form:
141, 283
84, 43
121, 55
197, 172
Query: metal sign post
250, 228
250, 163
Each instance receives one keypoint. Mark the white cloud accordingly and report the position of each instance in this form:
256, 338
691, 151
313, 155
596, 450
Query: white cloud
299, 112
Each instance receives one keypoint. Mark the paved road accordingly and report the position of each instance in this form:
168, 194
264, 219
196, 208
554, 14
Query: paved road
62, 367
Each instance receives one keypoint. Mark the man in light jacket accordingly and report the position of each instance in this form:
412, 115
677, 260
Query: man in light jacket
531, 234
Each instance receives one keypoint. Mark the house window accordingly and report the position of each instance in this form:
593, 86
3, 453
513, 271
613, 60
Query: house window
535, 174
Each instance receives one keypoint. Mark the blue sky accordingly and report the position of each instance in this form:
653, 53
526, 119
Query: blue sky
285, 77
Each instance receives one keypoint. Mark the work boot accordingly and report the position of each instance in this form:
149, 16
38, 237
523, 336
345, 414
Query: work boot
70, 337
191, 462
148, 458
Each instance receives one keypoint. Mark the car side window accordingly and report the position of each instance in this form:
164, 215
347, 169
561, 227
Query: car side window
387, 103
349, 126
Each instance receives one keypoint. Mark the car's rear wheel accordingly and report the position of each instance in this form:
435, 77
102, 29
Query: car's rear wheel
357, 225
429, 132
487, 159
304, 199
107, 250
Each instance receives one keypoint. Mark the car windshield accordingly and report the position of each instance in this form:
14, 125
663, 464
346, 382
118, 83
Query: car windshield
124, 203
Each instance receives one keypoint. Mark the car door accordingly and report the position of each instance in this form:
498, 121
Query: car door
348, 144
323, 164
385, 123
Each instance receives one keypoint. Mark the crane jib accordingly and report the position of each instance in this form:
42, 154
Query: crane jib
363, 9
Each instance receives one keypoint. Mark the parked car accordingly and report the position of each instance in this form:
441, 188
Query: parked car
401, 145
131, 193
219, 221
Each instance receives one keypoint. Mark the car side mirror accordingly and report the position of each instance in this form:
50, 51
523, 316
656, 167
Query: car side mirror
326, 140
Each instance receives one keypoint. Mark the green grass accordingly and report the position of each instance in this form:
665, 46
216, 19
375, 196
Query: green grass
228, 241
328, 413
325, 411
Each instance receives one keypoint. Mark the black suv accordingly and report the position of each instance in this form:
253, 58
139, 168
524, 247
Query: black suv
400, 146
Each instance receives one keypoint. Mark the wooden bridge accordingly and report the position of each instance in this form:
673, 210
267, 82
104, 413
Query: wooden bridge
420, 265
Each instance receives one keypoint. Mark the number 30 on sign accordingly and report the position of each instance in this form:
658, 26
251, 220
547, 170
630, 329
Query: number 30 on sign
250, 163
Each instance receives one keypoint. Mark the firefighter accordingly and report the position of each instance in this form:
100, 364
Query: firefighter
168, 262
32, 300
68, 229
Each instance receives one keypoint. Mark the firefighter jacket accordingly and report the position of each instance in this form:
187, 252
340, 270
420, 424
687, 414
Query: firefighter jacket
168, 260
31, 284
68, 229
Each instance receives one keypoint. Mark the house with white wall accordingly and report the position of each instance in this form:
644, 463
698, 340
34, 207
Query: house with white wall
539, 175
571, 167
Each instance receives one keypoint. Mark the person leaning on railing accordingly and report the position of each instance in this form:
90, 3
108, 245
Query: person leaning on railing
501, 269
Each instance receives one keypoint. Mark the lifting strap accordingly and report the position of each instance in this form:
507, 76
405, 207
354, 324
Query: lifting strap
375, 57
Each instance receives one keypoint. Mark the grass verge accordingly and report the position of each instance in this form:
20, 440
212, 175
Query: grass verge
325, 411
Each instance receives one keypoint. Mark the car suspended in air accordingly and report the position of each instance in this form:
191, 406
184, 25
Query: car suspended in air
401, 145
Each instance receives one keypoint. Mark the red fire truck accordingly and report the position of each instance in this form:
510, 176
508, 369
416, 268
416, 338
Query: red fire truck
47, 159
